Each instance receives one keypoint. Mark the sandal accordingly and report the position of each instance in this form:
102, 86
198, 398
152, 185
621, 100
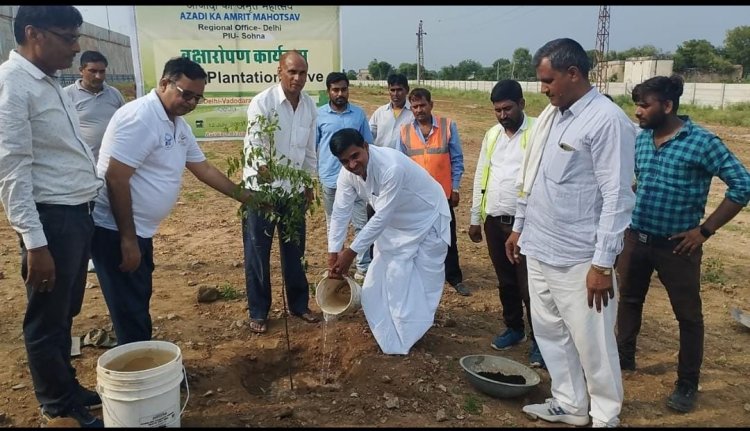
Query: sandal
99, 338
307, 317
259, 326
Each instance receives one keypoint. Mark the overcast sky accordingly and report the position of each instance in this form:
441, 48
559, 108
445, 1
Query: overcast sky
486, 33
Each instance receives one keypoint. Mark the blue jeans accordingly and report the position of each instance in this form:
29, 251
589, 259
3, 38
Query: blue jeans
359, 219
257, 237
127, 294
49, 315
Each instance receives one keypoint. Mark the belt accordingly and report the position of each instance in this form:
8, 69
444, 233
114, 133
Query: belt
647, 238
504, 219
87, 206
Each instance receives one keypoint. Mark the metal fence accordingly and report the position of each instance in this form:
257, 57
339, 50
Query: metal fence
68, 79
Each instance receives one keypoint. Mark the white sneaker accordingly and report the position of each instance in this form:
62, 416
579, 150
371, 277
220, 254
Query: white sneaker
551, 411
596, 423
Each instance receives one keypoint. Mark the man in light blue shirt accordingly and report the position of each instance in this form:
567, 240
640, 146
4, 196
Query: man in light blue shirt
339, 114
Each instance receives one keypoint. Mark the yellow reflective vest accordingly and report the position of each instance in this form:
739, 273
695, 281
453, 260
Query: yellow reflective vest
492, 135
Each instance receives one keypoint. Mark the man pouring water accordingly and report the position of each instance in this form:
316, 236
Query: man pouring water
410, 232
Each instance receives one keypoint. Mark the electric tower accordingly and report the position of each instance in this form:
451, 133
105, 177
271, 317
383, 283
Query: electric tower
601, 49
420, 53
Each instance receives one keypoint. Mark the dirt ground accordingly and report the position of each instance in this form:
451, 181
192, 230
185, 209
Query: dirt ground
341, 379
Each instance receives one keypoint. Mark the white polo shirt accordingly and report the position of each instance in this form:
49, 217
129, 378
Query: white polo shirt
141, 136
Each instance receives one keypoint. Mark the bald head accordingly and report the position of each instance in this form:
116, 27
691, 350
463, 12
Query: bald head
292, 73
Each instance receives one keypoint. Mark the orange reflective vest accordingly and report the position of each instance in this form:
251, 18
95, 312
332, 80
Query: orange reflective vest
434, 155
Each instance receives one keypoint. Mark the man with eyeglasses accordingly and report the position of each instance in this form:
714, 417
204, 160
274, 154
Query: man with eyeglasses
145, 149
47, 183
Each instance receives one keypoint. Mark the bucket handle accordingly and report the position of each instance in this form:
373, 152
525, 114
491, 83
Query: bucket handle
187, 397
187, 390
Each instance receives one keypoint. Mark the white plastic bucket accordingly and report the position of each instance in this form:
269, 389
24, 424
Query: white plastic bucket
336, 296
139, 384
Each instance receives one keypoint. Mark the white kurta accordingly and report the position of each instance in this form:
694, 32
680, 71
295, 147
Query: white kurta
411, 234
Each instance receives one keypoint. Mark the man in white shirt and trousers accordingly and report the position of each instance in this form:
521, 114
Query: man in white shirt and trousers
575, 203
410, 232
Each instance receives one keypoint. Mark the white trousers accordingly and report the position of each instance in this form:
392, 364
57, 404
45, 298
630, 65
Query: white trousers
577, 343
402, 290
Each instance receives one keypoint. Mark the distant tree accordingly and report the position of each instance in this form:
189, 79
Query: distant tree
701, 55
469, 69
379, 70
430, 74
408, 69
521, 68
641, 51
500, 69
737, 47
448, 73
351, 74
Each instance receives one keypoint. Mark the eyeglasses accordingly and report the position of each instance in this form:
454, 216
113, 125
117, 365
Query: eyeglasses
70, 39
187, 95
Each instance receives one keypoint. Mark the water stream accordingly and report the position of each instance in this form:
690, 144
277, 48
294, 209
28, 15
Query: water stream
325, 371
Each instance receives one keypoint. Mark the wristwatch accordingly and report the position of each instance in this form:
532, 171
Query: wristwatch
602, 270
705, 232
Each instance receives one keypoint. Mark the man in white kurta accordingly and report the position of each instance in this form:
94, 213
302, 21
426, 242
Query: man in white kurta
410, 232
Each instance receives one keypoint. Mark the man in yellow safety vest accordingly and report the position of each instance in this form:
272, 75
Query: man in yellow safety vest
494, 205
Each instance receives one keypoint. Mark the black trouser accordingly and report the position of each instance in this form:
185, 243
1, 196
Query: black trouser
680, 275
127, 293
49, 315
453, 274
513, 278
257, 240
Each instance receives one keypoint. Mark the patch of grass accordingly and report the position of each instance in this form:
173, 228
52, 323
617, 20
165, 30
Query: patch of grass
712, 271
227, 291
472, 405
193, 195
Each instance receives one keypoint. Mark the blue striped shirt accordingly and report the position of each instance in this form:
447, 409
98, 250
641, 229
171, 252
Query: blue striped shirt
673, 180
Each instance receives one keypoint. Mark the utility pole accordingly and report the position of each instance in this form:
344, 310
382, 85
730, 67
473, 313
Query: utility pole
420, 52
601, 49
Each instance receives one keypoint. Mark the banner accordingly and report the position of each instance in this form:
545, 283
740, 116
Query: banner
239, 48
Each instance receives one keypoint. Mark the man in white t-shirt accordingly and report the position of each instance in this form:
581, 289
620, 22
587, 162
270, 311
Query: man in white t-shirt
144, 152
386, 121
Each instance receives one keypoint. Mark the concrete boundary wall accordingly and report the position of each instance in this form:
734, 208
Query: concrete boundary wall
701, 94
115, 46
